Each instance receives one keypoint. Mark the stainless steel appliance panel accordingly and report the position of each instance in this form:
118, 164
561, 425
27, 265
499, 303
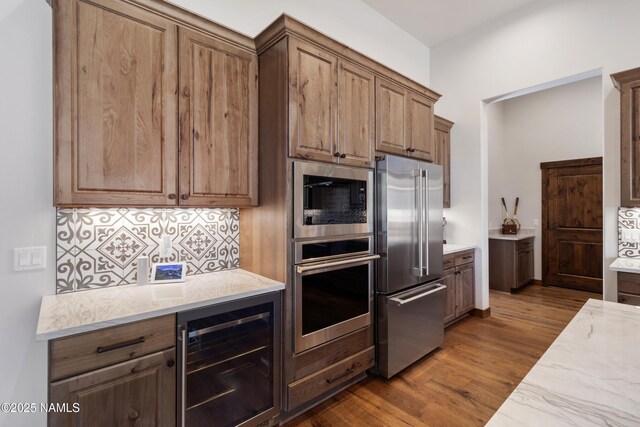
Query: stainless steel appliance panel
409, 218
410, 325
327, 175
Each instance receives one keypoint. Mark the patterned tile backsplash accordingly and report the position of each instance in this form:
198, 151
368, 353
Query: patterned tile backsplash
99, 247
628, 219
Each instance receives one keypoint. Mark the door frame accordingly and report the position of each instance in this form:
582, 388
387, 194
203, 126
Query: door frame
545, 166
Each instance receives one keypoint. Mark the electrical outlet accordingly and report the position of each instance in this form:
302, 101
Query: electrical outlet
165, 246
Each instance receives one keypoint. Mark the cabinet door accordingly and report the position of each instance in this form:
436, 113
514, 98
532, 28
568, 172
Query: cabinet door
115, 105
442, 152
356, 115
391, 118
138, 392
465, 293
218, 123
313, 98
420, 126
525, 266
449, 280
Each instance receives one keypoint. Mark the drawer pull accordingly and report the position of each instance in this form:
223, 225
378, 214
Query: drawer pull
342, 375
119, 345
467, 257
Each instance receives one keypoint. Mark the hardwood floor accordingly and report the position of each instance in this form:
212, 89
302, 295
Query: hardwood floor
466, 381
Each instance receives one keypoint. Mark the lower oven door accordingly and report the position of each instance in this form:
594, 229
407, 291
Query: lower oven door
409, 326
332, 299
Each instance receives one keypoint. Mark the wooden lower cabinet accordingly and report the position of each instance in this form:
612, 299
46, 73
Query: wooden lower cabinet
511, 264
629, 288
119, 376
459, 278
139, 392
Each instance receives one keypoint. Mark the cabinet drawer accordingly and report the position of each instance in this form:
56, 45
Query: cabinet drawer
524, 244
629, 283
448, 261
314, 385
464, 258
86, 352
628, 299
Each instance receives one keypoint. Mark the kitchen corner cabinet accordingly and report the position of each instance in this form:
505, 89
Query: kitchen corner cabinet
511, 264
442, 149
404, 121
124, 375
117, 137
459, 278
628, 83
331, 110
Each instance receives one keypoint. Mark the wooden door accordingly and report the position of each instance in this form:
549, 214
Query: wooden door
572, 224
115, 105
218, 123
465, 292
356, 115
442, 154
391, 118
449, 280
139, 392
628, 83
313, 98
420, 126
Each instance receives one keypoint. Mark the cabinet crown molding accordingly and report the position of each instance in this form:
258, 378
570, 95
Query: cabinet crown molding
286, 25
625, 77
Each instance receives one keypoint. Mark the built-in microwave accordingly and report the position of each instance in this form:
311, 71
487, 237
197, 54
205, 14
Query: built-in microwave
331, 200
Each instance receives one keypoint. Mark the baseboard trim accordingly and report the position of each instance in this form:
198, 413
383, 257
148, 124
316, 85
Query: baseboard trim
483, 314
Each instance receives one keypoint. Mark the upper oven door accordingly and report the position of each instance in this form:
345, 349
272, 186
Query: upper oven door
331, 200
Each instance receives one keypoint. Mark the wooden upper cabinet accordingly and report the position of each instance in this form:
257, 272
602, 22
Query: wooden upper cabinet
356, 115
115, 103
442, 155
218, 122
313, 99
391, 117
628, 83
420, 126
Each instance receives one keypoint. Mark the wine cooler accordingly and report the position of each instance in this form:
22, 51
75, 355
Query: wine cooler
230, 363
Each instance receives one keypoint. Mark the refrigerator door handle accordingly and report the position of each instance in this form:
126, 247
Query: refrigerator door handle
399, 301
425, 220
420, 213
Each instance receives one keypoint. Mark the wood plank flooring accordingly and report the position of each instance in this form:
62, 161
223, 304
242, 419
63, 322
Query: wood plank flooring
466, 381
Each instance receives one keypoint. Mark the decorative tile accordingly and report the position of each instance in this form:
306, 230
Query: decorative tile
99, 247
628, 219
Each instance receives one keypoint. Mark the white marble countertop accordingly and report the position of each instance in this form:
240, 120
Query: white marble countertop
626, 265
72, 313
522, 234
451, 248
590, 376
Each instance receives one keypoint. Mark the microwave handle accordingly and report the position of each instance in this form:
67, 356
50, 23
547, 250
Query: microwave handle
303, 268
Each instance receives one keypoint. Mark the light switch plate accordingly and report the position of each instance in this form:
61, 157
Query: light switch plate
629, 235
33, 258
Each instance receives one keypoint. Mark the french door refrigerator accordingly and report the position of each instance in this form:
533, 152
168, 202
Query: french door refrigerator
409, 298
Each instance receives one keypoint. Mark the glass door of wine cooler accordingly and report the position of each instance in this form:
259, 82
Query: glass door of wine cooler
230, 363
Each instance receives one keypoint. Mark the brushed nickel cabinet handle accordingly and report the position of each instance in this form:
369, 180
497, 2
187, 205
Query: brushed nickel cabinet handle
120, 345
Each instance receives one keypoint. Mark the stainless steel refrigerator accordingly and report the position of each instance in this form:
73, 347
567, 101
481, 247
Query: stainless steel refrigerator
409, 298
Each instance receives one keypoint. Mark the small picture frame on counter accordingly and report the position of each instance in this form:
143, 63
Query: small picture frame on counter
168, 272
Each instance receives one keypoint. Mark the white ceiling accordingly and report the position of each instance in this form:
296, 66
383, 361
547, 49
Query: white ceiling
436, 21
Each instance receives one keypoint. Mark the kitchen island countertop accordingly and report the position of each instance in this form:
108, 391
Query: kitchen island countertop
589, 376
72, 313
451, 248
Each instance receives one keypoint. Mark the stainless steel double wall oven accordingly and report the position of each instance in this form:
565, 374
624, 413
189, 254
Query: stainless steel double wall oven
333, 252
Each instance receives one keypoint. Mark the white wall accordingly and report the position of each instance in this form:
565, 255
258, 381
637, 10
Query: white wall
547, 40
351, 22
27, 217
561, 123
